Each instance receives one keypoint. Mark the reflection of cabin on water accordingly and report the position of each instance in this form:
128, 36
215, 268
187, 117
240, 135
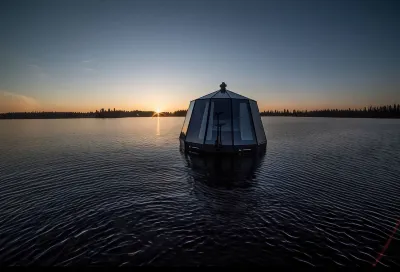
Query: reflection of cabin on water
223, 121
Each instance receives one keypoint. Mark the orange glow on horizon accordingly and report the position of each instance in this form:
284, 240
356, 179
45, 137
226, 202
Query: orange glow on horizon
266, 102
262, 107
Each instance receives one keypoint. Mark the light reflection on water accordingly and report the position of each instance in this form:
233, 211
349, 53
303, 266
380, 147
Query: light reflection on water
118, 191
158, 126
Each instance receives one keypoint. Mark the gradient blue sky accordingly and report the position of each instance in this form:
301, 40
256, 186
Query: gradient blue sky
297, 54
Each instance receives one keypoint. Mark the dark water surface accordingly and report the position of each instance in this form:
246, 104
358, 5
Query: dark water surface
119, 192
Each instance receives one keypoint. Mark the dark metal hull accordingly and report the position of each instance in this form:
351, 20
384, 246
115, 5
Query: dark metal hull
188, 147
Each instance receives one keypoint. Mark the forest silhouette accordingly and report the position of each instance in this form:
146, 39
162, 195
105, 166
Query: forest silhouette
387, 111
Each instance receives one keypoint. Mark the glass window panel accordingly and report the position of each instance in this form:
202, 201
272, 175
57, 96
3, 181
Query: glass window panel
198, 122
243, 131
260, 133
245, 128
220, 119
210, 123
204, 123
187, 120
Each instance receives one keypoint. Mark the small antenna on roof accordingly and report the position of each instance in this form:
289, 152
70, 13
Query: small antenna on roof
223, 87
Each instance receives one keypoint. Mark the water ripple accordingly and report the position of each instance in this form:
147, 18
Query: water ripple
119, 192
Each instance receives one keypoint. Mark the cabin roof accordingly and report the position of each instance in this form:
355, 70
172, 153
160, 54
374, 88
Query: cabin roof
224, 94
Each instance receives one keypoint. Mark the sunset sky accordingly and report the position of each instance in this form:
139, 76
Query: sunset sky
298, 54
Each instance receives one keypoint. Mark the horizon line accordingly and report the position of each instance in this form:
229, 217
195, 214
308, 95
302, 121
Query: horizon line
264, 110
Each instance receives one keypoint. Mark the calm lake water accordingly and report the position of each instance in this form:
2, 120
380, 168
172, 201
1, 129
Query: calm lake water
119, 192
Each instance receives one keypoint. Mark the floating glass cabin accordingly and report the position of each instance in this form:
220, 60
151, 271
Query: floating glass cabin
223, 122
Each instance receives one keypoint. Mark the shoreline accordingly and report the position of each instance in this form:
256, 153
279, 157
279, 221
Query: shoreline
58, 118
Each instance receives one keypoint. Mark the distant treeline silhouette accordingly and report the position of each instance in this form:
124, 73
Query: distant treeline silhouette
388, 111
136, 113
97, 114
46, 115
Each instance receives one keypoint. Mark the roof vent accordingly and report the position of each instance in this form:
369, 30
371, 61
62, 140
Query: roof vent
223, 87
